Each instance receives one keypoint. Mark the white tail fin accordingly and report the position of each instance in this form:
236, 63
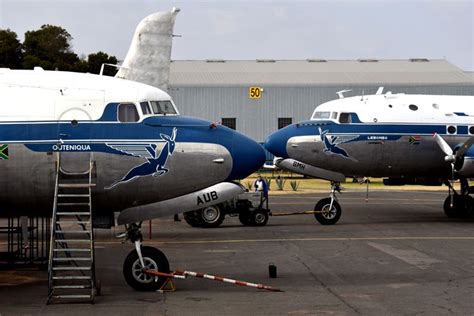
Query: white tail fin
149, 56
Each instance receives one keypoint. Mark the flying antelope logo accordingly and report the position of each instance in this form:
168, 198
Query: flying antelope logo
155, 164
331, 143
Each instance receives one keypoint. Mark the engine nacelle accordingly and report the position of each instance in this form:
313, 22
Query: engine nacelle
213, 195
465, 167
309, 170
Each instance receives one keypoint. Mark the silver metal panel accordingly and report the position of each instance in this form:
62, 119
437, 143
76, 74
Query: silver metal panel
28, 178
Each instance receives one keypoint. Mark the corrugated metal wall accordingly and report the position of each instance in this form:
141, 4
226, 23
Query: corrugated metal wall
258, 118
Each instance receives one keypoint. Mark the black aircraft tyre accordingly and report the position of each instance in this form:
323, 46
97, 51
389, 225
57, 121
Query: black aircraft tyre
193, 218
258, 218
155, 260
211, 216
245, 218
462, 206
326, 216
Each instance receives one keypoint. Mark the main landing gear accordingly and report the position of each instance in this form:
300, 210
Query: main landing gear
328, 211
459, 205
143, 257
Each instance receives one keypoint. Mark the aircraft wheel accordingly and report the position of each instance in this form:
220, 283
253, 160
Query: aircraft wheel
462, 206
245, 219
211, 216
155, 260
258, 218
192, 218
326, 216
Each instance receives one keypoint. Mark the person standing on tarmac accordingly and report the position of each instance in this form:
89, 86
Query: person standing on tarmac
261, 185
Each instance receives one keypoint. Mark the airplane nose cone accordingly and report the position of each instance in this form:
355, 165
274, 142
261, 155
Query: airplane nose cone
276, 143
247, 156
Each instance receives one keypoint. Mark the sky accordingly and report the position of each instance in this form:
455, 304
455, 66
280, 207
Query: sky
261, 29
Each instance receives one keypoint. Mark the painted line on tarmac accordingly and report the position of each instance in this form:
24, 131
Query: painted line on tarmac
361, 201
233, 241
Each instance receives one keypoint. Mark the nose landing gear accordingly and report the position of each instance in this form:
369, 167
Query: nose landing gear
328, 211
141, 258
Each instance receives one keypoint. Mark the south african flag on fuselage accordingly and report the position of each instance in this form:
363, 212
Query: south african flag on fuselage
3, 152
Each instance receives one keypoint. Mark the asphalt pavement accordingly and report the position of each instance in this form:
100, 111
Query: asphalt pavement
395, 254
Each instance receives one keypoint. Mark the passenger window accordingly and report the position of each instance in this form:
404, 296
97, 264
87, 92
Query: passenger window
345, 118
145, 108
127, 112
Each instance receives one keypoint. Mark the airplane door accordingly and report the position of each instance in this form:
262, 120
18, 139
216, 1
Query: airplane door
74, 139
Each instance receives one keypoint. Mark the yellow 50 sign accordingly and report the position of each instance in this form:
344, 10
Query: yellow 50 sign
255, 92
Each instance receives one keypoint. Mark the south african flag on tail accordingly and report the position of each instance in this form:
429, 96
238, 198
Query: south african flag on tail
3, 152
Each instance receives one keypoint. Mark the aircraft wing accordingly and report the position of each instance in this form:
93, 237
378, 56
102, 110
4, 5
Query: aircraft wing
147, 151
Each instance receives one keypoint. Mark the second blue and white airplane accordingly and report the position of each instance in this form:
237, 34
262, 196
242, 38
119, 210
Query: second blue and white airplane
383, 135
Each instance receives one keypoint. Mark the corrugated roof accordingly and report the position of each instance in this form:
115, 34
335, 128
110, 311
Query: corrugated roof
315, 72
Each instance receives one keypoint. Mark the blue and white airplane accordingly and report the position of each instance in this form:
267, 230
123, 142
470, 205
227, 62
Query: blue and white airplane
148, 160
383, 135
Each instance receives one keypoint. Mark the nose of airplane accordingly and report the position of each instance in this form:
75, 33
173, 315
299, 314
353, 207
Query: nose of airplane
247, 157
276, 142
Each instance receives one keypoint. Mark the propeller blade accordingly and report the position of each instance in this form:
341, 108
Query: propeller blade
465, 147
443, 145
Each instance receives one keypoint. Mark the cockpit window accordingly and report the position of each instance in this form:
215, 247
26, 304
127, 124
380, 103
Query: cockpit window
145, 108
162, 107
334, 115
127, 112
321, 115
345, 118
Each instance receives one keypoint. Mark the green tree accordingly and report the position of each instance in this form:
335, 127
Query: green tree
50, 48
96, 60
10, 50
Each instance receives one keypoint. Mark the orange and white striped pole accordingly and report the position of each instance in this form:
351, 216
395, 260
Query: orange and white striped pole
182, 274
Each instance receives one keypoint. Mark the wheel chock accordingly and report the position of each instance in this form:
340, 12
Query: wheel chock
168, 286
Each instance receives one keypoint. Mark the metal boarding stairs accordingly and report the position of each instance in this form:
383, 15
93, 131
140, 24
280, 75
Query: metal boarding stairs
71, 267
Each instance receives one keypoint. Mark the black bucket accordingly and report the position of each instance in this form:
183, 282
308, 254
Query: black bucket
272, 271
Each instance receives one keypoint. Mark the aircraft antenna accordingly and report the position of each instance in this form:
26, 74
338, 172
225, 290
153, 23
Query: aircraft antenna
341, 93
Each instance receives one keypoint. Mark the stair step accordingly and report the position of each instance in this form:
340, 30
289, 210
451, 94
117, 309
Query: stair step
76, 185
73, 240
72, 213
71, 268
72, 231
66, 296
71, 287
72, 259
62, 195
72, 277
71, 250
74, 204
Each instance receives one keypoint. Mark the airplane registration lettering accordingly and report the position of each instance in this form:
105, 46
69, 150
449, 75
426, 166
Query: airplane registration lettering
298, 165
207, 197
73, 147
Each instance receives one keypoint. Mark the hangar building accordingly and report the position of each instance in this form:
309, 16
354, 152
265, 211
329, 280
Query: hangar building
289, 90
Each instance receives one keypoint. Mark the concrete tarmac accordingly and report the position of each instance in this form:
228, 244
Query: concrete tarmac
396, 254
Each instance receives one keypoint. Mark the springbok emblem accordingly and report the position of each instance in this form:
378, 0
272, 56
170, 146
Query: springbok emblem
155, 164
331, 143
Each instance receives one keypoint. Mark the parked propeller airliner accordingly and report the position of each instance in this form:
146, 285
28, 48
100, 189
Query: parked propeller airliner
145, 159
383, 135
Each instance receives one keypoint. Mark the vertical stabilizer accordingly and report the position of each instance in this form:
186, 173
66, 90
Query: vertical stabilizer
149, 56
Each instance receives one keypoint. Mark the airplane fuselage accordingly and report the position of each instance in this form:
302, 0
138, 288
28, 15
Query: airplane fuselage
380, 135
141, 153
